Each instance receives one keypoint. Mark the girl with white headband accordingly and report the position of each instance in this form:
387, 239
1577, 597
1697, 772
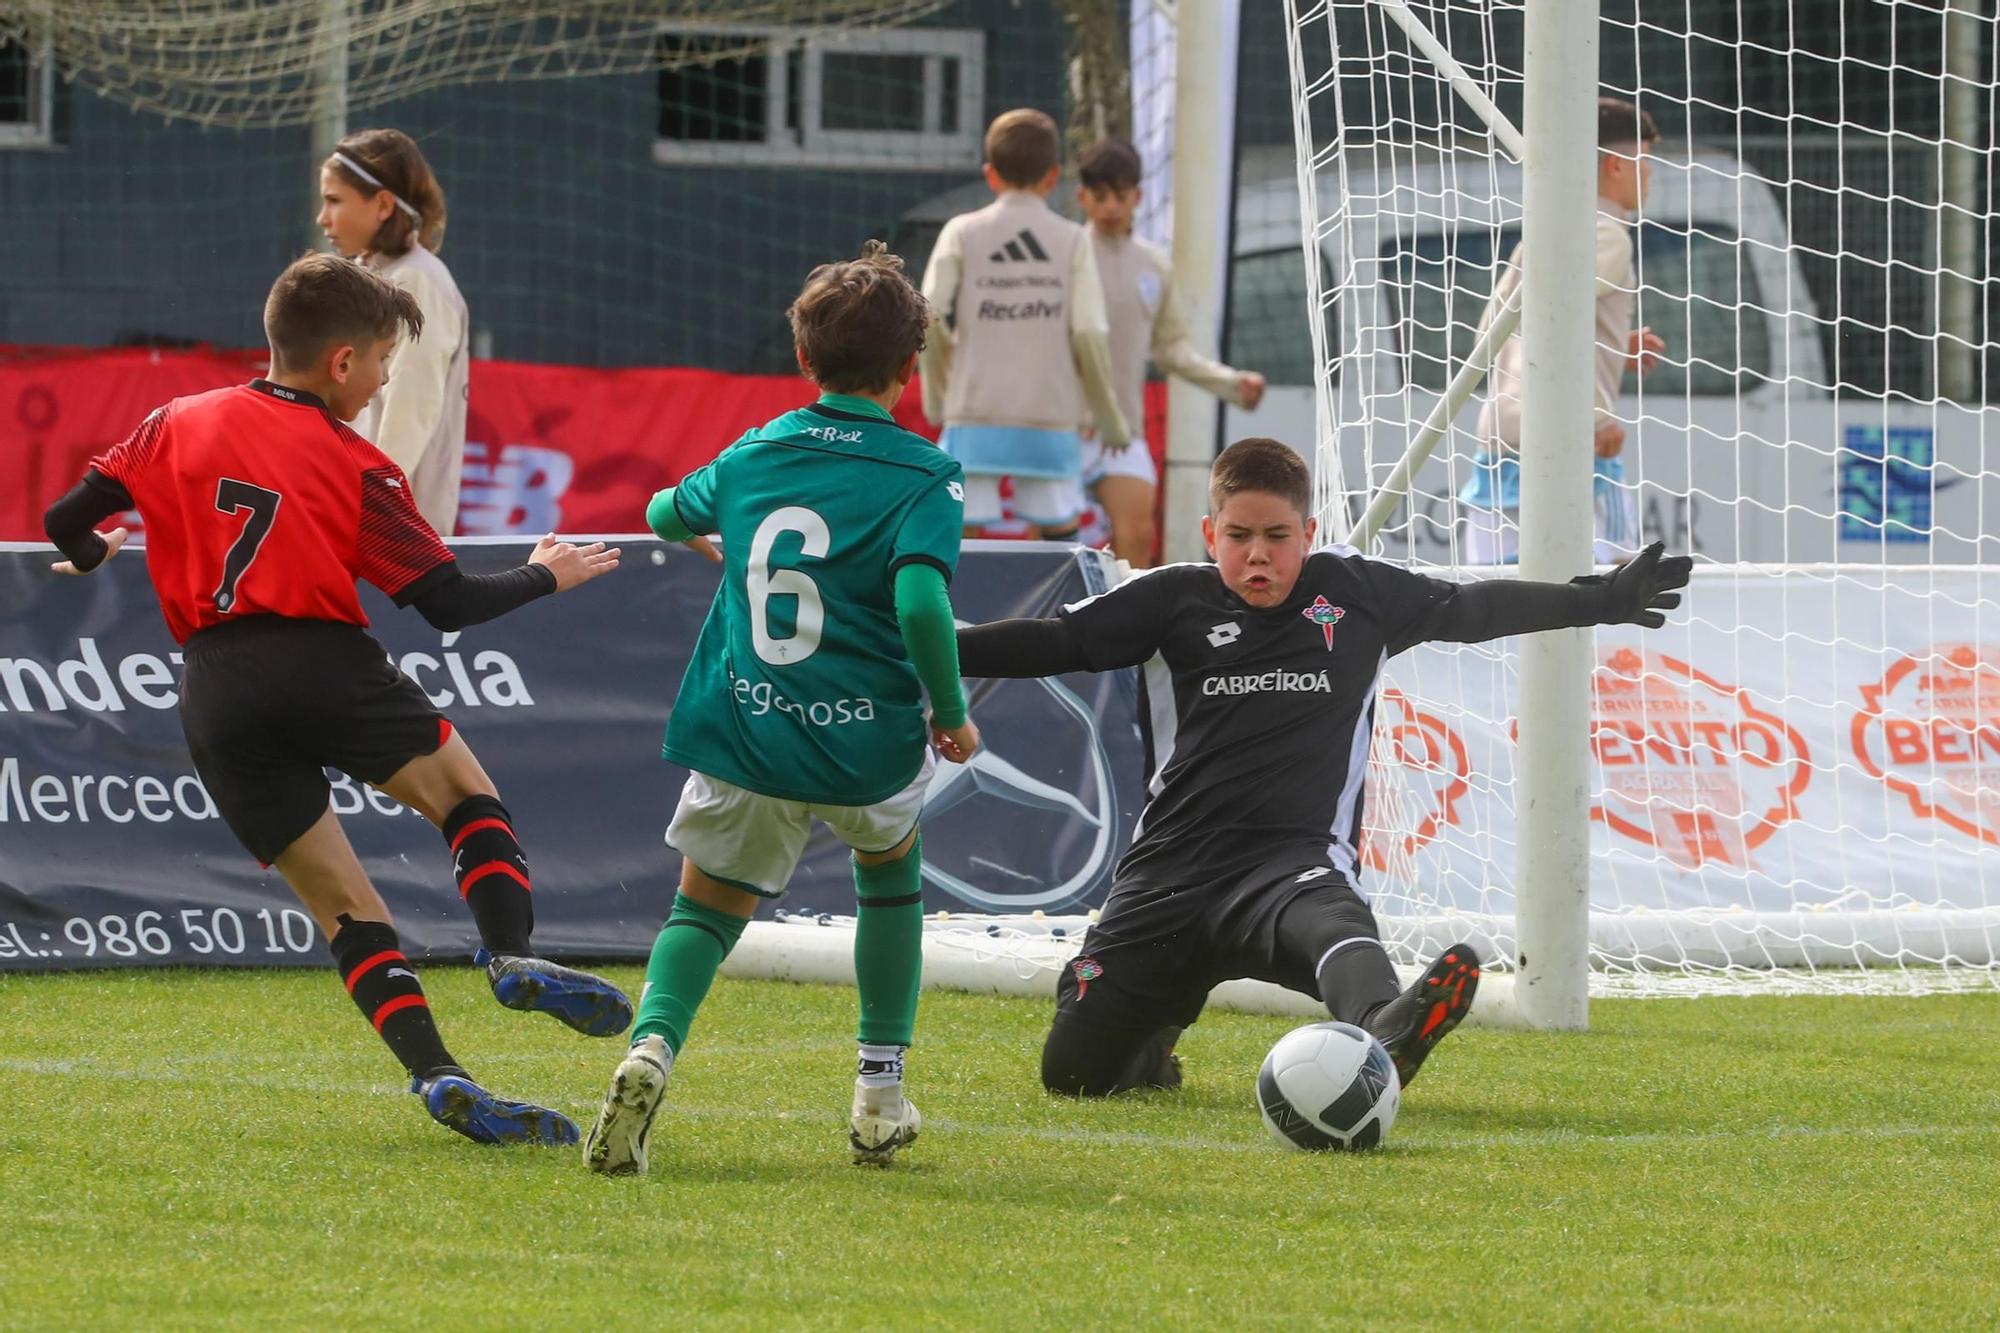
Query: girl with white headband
381, 204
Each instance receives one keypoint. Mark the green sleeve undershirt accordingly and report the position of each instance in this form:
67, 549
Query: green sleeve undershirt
923, 611
665, 520
930, 635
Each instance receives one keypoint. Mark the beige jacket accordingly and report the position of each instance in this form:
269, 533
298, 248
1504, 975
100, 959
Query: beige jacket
1617, 300
1020, 336
419, 417
1148, 321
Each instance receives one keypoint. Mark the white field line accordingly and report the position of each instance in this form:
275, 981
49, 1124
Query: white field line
167, 1072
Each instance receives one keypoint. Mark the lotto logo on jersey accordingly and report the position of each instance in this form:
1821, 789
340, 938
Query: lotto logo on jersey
1221, 636
955, 491
1927, 731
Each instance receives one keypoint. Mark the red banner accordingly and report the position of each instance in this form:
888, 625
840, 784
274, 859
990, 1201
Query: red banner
59, 408
547, 447
576, 450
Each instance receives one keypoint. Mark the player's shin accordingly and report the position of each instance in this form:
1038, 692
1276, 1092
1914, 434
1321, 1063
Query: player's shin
1330, 930
690, 947
1355, 978
385, 986
492, 873
888, 972
889, 947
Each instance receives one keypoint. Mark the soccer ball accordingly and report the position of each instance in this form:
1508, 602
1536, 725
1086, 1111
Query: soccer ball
1328, 1085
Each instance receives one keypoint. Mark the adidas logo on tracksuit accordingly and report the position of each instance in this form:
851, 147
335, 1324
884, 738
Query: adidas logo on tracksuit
1023, 247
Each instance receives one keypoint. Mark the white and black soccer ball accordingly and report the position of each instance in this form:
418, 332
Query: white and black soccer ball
1328, 1086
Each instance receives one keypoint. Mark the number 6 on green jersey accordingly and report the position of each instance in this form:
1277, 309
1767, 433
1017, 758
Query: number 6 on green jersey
800, 686
761, 583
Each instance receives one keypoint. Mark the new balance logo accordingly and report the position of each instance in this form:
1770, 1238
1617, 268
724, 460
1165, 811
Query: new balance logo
1022, 248
1221, 636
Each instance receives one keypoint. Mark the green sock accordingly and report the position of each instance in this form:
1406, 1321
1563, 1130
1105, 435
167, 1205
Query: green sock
889, 947
691, 946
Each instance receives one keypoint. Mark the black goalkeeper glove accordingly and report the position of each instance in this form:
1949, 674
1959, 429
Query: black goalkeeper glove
1637, 591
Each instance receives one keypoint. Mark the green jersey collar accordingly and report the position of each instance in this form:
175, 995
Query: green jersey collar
853, 406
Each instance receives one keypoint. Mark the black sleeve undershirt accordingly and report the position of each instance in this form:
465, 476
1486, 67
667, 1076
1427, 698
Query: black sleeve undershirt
1018, 649
451, 599
1496, 608
71, 522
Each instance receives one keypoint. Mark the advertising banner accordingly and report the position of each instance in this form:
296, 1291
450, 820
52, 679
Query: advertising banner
1792, 741
112, 854
548, 448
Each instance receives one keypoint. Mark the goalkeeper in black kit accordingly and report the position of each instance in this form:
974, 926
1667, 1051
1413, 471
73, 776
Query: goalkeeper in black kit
1259, 681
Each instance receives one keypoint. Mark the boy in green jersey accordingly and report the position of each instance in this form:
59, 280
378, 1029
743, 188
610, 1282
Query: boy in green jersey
840, 531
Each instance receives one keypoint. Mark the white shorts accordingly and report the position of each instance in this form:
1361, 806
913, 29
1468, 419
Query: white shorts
1135, 460
1493, 536
1048, 502
753, 842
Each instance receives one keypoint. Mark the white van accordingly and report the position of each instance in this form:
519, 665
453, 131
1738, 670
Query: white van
1740, 449
1737, 442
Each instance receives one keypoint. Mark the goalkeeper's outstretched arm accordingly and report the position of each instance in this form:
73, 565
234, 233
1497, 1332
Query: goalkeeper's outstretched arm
1635, 593
1019, 650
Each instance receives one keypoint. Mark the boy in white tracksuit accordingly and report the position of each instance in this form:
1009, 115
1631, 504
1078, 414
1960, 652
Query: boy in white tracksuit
1020, 351
1492, 498
1147, 321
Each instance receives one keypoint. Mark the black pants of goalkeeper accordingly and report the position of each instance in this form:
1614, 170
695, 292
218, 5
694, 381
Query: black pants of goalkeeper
1153, 956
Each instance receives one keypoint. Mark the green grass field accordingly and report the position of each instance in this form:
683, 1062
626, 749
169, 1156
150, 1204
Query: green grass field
230, 1149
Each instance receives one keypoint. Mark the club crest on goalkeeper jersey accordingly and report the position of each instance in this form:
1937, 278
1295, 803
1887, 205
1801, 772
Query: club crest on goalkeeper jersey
800, 687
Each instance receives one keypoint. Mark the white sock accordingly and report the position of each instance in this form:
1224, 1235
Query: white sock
880, 1066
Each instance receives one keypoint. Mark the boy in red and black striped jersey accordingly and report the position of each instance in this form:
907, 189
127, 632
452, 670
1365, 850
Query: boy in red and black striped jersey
262, 509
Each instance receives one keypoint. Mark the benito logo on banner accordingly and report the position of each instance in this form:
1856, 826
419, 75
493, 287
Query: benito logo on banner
1930, 730
1692, 767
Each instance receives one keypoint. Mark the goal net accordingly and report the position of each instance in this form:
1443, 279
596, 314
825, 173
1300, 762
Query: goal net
1796, 784
630, 183
266, 63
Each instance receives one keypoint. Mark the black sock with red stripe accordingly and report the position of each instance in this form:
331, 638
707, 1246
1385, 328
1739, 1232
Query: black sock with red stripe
383, 983
492, 873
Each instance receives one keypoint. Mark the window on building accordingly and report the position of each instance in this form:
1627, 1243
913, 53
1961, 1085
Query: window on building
907, 99
27, 97
1268, 326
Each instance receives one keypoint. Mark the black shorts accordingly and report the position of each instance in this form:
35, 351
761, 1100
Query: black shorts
269, 703
1152, 956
